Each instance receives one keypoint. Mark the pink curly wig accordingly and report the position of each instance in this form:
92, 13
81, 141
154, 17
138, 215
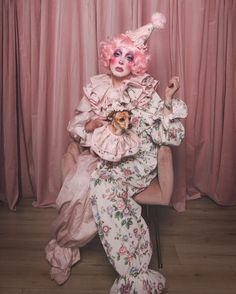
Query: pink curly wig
108, 47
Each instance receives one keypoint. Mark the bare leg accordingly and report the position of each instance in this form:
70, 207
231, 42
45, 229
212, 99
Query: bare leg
160, 190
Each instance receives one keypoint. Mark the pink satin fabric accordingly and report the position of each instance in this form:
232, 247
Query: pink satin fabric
112, 147
74, 227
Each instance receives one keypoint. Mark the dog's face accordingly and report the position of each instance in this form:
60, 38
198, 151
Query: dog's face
120, 119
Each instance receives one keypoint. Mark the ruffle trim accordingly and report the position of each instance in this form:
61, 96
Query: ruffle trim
61, 259
179, 110
133, 93
112, 147
149, 282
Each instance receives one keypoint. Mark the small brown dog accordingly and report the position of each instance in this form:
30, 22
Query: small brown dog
120, 121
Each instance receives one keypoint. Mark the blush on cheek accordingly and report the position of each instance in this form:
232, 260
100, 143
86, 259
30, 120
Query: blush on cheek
112, 60
130, 65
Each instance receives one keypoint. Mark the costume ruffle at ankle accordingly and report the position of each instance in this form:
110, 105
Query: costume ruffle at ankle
149, 282
73, 229
61, 260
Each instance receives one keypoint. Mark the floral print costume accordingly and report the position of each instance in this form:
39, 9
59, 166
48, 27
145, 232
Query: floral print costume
121, 228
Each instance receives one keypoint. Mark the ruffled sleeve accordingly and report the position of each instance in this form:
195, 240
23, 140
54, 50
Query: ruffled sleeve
168, 129
112, 147
83, 113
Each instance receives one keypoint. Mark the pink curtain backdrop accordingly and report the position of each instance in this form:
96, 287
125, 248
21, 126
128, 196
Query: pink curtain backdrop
48, 52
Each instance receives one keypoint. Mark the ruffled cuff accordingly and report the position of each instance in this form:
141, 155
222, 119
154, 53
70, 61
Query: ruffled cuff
144, 282
179, 110
168, 130
61, 260
171, 137
112, 147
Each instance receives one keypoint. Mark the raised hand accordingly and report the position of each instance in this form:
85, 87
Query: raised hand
172, 88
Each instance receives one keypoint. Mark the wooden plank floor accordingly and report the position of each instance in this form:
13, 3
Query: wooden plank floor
198, 250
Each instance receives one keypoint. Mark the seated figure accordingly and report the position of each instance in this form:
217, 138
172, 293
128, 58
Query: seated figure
118, 161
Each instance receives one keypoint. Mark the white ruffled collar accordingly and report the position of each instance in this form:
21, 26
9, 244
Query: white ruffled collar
133, 92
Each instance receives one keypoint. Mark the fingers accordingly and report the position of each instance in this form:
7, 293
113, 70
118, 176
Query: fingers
91, 125
172, 88
98, 123
174, 82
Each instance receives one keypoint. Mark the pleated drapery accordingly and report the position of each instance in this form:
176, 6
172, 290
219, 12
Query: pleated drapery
48, 52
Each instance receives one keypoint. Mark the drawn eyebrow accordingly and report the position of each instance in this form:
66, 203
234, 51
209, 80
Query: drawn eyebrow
118, 50
129, 53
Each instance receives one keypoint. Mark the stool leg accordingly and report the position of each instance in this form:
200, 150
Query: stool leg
157, 237
150, 213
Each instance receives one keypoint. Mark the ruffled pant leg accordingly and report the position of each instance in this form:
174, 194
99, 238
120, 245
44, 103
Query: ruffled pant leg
74, 227
125, 237
61, 260
145, 282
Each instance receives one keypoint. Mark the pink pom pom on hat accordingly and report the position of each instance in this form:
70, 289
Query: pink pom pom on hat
141, 35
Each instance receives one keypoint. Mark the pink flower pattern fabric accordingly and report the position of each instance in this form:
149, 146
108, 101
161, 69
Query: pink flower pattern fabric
110, 187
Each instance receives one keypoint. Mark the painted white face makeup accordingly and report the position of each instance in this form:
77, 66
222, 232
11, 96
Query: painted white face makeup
121, 62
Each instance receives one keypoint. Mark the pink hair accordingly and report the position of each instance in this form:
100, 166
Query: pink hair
108, 47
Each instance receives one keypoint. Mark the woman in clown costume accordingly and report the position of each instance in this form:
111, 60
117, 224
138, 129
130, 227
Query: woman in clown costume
101, 182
